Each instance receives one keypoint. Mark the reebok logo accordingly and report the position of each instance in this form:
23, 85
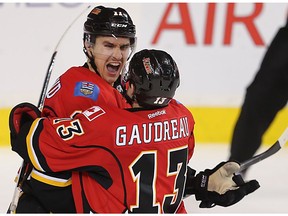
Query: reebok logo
155, 114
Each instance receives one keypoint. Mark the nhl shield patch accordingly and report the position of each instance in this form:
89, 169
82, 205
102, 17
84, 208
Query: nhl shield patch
87, 89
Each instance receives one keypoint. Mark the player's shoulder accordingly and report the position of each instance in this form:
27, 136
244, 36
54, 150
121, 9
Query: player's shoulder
106, 112
81, 77
177, 105
74, 71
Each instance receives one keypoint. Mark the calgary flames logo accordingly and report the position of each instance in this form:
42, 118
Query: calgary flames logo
147, 65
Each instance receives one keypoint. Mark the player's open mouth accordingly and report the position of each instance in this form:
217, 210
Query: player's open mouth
113, 68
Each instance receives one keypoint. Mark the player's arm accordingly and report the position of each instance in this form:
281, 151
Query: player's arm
29, 140
218, 186
52, 144
55, 102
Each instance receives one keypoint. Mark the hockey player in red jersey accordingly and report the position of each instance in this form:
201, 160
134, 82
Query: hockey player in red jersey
108, 40
133, 160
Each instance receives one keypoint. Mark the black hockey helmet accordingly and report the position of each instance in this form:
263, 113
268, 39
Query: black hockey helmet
107, 21
155, 76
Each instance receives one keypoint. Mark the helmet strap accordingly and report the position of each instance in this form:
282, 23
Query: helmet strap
91, 62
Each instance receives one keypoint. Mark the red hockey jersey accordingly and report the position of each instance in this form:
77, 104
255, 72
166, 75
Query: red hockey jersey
136, 161
77, 90
73, 92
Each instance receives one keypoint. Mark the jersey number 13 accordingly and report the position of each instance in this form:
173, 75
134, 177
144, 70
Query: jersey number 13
144, 173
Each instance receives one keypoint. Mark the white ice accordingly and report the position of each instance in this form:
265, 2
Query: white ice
272, 173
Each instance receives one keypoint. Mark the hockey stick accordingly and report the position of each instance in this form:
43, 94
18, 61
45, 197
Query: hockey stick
26, 168
272, 150
52, 61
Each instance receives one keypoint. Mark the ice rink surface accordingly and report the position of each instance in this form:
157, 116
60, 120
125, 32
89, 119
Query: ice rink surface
272, 174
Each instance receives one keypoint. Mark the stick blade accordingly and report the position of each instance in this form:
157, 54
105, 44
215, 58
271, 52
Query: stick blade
283, 139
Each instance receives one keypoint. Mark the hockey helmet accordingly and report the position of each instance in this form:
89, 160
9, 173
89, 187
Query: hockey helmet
107, 21
155, 76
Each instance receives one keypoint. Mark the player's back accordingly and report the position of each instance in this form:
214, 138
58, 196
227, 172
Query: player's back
146, 156
155, 172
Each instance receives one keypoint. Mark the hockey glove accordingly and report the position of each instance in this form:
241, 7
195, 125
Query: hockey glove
220, 186
20, 119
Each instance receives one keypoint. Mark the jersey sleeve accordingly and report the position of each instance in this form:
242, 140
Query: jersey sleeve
53, 103
46, 146
63, 144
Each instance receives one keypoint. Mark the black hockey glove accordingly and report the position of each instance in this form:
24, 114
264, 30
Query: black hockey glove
219, 186
20, 120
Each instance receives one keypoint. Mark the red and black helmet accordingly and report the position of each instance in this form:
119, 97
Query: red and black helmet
155, 76
107, 21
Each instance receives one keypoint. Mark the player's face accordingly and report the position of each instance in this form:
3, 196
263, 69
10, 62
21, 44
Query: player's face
110, 56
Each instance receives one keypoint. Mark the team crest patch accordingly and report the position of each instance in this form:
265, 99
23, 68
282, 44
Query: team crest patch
87, 89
